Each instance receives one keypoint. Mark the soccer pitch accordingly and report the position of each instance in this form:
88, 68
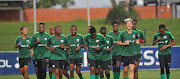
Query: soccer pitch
143, 74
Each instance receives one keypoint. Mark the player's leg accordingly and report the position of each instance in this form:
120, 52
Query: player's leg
162, 64
101, 73
57, 73
125, 67
107, 67
71, 70
39, 64
78, 68
98, 64
131, 71
167, 65
65, 70
97, 71
50, 69
138, 58
61, 68
44, 62
36, 67
92, 68
118, 64
27, 62
21, 63
114, 66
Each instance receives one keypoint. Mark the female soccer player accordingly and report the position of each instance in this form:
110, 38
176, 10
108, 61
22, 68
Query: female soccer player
129, 40
58, 44
107, 56
165, 40
24, 53
75, 57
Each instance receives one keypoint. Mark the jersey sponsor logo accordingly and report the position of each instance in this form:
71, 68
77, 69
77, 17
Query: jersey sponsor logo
115, 41
24, 45
133, 36
97, 40
27, 41
62, 41
41, 44
165, 37
77, 40
45, 38
73, 45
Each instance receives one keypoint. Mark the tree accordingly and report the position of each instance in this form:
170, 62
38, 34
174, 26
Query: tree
113, 2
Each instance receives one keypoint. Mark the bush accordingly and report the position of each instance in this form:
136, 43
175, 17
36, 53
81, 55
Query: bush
118, 14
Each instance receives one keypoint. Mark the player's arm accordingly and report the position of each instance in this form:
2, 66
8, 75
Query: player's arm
156, 39
163, 47
119, 42
32, 52
67, 44
85, 42
112, 45
82, 45
104, 43
142, 38
17, 44
137, 39
48, 45
33, 42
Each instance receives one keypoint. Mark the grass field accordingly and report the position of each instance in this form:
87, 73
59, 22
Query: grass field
10, 30
143, 74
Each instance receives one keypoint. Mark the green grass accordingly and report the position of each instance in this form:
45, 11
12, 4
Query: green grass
143, 74
10, 30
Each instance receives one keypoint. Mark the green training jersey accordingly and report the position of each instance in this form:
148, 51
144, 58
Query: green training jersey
117, 49
74, 43
40, 50
165, 40
107, 55
58, 53
24, 52
141, 36
92, 43
131, 49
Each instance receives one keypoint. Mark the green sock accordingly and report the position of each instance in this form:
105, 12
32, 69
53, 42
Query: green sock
102, 78
97, 76
125, 77
37, 76
117, 75
81, 77
53, 76
162, 76
50, 76
108, 77
92, 77
114, 75
168, 75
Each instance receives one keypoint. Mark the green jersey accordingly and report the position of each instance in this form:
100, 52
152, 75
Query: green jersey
141, 36
131, 49
24, 52
117, 49
92, 43
58, 53
67, 57
165, 40
106, 54
74, 43
40, 50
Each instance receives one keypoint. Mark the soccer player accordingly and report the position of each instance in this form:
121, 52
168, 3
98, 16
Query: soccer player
107, 56
165, 40
89, 29
24, 53
116, 51
41, 54
75, 57
58, 43
129, 40
95, 42
52, 32
138, 54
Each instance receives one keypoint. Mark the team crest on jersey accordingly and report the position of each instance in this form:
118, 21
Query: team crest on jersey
45, 38
97, 40
165, 37
107, 42
62, 41
27, 40
133, 36
138, 35
77, 40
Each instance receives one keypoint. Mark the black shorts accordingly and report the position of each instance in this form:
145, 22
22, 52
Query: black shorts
116, 58
138, 57
77, 62
95, 63
36, 61
128, 60
165, 59
106, 65
49, 64
66, 66
58, 64
24, 61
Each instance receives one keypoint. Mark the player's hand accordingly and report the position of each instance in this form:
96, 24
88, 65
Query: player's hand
97, 48
109, 49
127, 42
163, 47
19, 45
158, 38
140, 40
78, 48
52, 48
85, 47
38, 40
31, 54
61, 46
68, 53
